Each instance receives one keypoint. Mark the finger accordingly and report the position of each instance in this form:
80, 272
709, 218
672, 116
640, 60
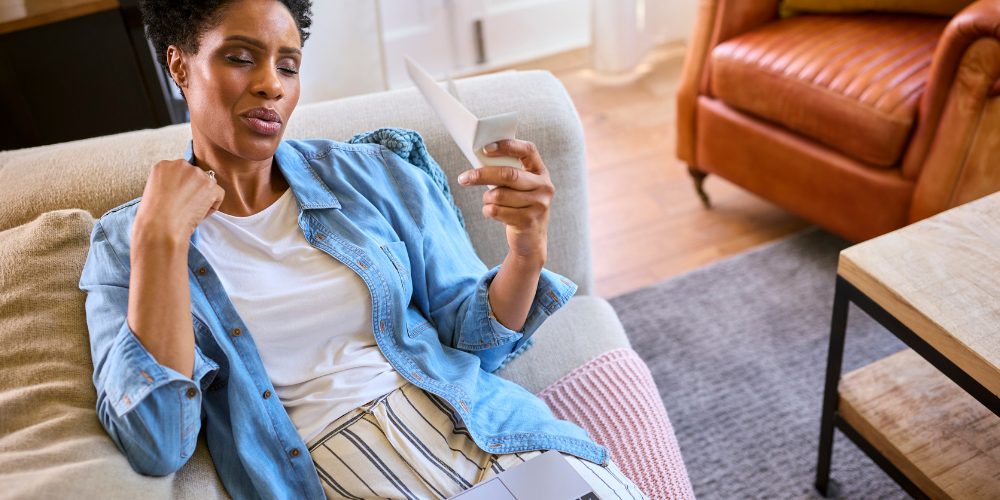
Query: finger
510, 147
517, 217
507, 197
523, 150
218, 195
511, 177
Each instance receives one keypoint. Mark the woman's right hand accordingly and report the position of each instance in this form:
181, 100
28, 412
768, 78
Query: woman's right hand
177, 197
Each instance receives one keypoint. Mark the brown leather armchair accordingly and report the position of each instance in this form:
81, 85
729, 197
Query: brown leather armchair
859, 123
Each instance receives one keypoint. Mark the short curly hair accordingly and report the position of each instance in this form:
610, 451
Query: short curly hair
182, 22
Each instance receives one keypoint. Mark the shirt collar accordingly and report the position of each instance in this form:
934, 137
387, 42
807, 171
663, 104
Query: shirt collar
310, 192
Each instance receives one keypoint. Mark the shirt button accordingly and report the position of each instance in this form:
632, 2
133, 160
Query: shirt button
267, 394
237, 332
294, 452
192, 393
202, 271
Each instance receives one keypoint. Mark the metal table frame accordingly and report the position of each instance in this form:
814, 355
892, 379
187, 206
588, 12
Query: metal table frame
831, 419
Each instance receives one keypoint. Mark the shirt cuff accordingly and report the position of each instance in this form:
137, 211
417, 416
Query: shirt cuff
486, 332
133, 374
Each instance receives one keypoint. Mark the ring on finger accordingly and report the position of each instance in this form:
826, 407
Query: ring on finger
211, 175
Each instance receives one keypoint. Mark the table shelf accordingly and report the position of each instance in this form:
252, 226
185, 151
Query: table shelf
940, 437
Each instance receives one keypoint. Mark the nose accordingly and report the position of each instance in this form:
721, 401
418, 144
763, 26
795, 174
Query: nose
267, 83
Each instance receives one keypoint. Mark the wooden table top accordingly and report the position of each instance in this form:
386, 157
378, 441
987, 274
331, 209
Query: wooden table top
941, 278
16, 15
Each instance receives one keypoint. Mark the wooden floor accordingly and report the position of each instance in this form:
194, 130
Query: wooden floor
646, 222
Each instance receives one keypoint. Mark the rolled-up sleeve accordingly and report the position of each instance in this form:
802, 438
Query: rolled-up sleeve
455, 282
151, 412
551, 293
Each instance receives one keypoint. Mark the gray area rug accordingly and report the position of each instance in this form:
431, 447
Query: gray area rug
738, 350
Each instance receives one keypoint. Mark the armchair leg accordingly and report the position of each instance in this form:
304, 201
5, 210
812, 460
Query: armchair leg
699, 181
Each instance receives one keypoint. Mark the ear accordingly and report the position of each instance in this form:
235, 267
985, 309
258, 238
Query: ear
177, 66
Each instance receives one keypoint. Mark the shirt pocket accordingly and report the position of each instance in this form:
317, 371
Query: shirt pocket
396, 252
416, 323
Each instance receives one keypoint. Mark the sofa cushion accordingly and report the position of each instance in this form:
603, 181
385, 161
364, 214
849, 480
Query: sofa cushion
51, 443
932, 7
851, 82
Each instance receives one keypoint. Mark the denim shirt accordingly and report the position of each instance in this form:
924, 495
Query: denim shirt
386, 220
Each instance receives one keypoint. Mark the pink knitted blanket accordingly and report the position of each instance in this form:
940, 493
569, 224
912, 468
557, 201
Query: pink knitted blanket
614, 398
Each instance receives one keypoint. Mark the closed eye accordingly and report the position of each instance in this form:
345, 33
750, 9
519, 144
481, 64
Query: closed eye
237, 59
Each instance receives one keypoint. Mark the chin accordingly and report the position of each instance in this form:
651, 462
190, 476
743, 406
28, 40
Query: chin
257, 148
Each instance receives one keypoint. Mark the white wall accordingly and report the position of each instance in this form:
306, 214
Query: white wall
342, 56
625, 30
441, 36
670, 20
521, 30
421, 29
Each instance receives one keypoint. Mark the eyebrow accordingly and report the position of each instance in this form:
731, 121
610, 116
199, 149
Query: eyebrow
261, 45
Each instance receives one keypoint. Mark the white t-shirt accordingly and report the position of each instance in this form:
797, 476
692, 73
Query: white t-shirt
310, 315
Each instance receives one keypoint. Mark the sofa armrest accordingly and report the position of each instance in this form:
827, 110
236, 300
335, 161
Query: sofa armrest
582, 330
977, 21
716, 22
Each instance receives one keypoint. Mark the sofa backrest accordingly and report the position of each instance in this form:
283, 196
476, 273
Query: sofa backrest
102, 173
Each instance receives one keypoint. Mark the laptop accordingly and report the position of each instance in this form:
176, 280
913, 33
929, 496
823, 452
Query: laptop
548, 476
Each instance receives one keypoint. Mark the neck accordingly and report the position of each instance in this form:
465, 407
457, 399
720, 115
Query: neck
250, 185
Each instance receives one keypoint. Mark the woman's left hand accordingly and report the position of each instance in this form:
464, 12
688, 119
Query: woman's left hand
521, 198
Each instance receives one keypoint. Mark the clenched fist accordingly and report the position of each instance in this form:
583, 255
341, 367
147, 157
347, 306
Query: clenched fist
177, 197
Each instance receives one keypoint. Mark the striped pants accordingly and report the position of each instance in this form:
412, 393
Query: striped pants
408, 444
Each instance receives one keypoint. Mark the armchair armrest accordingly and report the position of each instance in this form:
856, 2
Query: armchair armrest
979, 20
958, 112
716, 22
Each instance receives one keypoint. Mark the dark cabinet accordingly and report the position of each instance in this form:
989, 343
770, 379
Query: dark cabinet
85, 76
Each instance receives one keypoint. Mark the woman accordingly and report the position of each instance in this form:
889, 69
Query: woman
290, 292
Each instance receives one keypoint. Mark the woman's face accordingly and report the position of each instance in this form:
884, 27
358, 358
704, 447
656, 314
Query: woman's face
242, 84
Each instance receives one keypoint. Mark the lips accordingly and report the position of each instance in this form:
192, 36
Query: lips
263, 120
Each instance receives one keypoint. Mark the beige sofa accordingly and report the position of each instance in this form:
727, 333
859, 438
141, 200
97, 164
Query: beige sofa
51, 443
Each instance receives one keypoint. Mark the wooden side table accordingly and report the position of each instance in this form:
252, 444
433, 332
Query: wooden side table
935, 285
